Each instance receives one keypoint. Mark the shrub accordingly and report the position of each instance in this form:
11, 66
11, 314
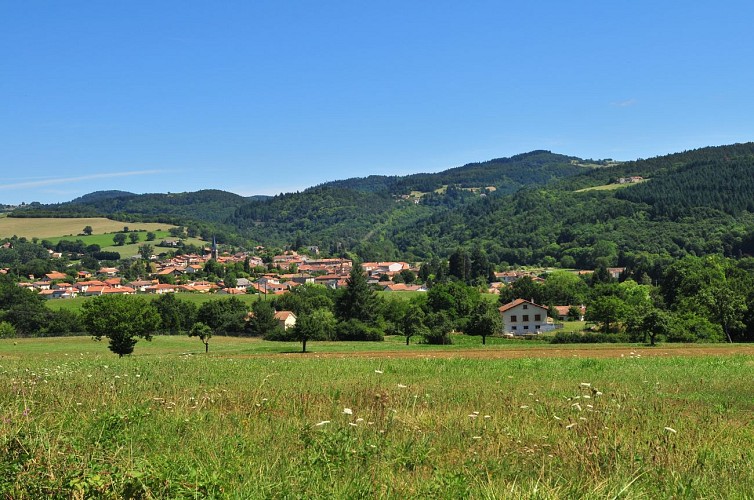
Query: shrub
587, 338
354, 329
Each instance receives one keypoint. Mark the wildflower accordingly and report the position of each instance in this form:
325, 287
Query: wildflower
577, 406
353, 424
556, 417
347, 411
670, 429
359, 419
471, 415
402, 386
378, 372
320, 424
569, 426
585, 384
523, 407
487, 416
476, 437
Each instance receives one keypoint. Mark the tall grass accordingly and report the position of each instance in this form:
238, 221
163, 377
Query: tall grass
79, 422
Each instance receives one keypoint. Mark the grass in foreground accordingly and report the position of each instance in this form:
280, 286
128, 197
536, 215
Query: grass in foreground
79, 422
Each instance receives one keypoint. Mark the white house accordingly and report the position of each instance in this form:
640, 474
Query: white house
286, 319
522, 316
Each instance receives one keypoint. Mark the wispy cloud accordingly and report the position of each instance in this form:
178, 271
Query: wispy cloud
68, 180
625, 103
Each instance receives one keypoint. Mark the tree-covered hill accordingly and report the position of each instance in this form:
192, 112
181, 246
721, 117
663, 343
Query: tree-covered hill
693, 203
209, 205
357, 214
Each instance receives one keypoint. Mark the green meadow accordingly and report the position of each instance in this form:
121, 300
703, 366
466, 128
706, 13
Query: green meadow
254, 419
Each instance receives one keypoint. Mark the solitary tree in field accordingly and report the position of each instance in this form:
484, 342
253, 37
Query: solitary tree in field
412, 323
485, 321
317, 325
133, 237
122, 319
204, 333
119, 239
88, 230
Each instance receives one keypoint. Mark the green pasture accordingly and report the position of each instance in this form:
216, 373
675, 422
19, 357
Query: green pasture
172, 422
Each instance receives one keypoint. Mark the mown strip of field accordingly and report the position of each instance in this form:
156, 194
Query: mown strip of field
46, 228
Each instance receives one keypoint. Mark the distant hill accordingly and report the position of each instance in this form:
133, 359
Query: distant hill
209, 205
102, 195
359, 213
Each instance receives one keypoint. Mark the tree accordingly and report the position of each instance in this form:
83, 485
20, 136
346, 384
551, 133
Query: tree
119, 239
133, 237
204, 333
262, 320
178, 316
122, 319
358, 300
88, 230
656, 323
413, 322
146, 250
151, 236
223, 315
606, 310
485, 321
317, 325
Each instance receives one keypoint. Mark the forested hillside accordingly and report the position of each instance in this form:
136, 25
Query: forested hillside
530, 209
693, 203
358, 214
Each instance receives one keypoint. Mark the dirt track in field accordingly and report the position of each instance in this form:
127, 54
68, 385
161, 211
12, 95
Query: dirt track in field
545, 352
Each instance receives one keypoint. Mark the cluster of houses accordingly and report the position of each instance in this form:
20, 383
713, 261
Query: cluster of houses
520, 317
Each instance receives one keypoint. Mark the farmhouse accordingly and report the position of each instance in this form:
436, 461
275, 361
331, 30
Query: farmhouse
523, 316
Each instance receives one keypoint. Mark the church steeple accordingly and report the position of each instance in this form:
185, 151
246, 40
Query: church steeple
214, 254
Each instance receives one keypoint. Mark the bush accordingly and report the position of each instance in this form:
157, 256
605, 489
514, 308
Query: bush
587, 338
354, 329
7, 331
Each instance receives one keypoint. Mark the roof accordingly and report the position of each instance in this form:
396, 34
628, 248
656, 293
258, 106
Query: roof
518, 302
284, 315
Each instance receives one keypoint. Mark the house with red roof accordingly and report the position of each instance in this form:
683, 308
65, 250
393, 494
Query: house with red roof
522, 317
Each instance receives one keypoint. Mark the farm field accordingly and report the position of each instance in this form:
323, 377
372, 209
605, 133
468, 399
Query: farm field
47, 228
253, 419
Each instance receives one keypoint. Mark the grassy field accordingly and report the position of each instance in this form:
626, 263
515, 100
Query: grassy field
58, 227
351, 421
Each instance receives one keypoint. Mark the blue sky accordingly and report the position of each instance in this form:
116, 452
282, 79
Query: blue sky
263, 97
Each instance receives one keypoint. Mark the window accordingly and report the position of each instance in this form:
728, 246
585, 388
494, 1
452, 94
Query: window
513, 318
537, 327
537, 317
513, 328
526, 317
526, 327
526, 306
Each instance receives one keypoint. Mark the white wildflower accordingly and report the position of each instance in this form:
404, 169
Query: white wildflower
476, 437
378, 372
402, 386
670, 429
320, 424
347, 411
585, 384
569, 426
